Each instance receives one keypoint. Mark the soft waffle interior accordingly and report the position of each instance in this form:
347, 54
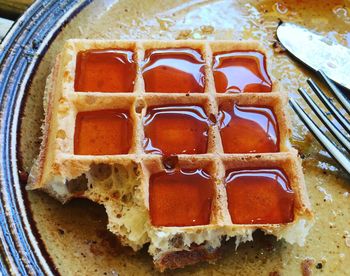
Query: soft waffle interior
120, 182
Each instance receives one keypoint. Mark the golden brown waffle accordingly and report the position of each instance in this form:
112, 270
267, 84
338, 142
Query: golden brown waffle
121, 182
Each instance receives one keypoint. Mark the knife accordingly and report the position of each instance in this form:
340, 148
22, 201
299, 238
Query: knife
317, 52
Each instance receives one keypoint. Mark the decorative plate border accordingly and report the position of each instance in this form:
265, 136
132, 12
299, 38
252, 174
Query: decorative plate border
20, 53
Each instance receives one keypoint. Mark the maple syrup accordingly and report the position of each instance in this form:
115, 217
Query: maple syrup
176, 129
170, 70
248, 129
102, 132
259, 196
181, 198
241, 71
107, 70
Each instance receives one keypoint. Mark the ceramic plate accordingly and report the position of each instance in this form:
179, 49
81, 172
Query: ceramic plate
41, 236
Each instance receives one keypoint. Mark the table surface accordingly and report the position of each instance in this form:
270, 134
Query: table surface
10, 10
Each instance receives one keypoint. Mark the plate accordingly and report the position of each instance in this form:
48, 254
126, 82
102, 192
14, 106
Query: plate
41, 236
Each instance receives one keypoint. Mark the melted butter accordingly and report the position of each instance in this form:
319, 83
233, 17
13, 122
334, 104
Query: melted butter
180, 198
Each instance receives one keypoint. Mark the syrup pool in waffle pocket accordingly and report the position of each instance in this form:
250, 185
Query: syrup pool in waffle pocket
185, 143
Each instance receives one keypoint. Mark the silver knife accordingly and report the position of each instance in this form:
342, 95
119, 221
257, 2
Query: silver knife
316, 51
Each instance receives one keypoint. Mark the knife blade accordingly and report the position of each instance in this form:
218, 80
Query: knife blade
317, 52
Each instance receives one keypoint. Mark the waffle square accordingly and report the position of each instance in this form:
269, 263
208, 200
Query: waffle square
94, 67
145, 128
109, 132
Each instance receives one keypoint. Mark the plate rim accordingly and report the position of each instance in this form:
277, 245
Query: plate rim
20, 53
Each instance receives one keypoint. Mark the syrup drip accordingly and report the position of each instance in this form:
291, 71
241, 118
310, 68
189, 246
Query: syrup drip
181, 198
248, 129
258, 196
178, 129
102, 132
178, 70
241, 71
107, 70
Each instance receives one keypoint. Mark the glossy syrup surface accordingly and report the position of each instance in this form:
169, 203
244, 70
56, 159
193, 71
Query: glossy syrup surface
176, 129
181, 198
173, 70
241, 71
102, 132
248, 129
107, 70
258, 196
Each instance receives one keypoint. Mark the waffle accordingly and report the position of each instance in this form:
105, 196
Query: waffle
220, 183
